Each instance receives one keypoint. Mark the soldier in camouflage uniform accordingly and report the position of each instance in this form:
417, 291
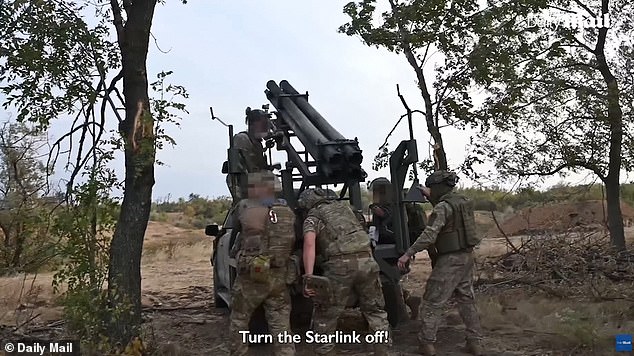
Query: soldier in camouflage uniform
452, 230
263, 248
332, 230
251, 149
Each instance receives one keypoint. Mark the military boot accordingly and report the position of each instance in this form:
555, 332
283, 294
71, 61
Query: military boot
474, 347
414, 305
427, 349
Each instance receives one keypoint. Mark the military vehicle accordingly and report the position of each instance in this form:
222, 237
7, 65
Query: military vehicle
322, 157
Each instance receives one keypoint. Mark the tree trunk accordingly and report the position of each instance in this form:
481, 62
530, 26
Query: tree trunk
19, 245
615, 120
440, 157
124, 278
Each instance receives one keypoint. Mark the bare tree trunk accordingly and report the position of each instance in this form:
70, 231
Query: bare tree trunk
124, 279
615, 119
440, 157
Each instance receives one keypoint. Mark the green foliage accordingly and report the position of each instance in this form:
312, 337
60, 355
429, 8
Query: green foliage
557, 99
165, 109
85, 227
24, 208
196, 211
421, 29
526, 197
49, 53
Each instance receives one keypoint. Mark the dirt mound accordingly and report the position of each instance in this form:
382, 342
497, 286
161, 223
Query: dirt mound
559, 217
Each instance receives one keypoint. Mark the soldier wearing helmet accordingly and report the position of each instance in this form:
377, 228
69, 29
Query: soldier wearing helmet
332, 231
451, 229
249, 143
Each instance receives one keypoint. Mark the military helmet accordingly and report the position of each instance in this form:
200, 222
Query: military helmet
442, 177
255, 115
310, 197
381, 181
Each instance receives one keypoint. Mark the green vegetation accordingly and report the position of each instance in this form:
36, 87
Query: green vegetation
195, 212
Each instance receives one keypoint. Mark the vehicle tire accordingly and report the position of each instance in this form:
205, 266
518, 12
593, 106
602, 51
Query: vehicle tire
218, 301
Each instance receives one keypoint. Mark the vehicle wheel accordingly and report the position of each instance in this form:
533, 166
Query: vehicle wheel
218, 301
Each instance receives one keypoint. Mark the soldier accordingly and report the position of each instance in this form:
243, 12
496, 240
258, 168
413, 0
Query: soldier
381, 208
332, 230
452, 230
263, 250
249, 143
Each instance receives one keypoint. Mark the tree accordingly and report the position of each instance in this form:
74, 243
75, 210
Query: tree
23, 184
559, 96
418, 29
54, 64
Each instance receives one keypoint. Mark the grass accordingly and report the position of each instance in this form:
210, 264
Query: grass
557, 324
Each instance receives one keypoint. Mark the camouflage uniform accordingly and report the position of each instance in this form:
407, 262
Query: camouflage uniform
354, 274
253, 158
248, 295
452, 275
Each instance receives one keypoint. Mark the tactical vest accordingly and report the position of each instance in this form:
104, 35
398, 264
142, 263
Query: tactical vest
343, 233
458, 233
268, 231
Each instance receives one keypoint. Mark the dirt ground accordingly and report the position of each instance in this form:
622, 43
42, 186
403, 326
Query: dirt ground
559, 217
182, 320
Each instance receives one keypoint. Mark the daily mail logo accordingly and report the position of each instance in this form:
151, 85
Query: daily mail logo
624, 343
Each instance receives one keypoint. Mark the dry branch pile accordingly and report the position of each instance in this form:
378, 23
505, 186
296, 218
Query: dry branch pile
565, 265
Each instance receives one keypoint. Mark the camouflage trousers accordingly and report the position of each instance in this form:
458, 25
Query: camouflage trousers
452, 276
247, 296
351, 278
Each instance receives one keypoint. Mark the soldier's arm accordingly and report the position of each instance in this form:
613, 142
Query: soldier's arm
242, 142
310, 230
439, 216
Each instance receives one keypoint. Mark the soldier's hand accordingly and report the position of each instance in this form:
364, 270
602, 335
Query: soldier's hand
402, 262
308, 293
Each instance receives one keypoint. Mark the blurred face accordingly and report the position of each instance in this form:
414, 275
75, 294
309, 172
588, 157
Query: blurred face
261, 190
259, 128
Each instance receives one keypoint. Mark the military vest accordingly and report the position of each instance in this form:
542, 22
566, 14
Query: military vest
343, 233
267, 231
459, 233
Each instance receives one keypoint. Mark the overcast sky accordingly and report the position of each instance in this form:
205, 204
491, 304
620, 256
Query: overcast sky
224, 52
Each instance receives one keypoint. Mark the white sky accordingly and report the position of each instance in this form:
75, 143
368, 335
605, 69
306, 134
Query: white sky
224, 52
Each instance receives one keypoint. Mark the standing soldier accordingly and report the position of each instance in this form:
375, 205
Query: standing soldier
263, 250
249, 144
452, 229
332, 230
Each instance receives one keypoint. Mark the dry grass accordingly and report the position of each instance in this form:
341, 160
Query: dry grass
27, 298
564, 324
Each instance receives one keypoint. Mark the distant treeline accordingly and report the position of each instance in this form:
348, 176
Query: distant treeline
502, 200
196, 211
